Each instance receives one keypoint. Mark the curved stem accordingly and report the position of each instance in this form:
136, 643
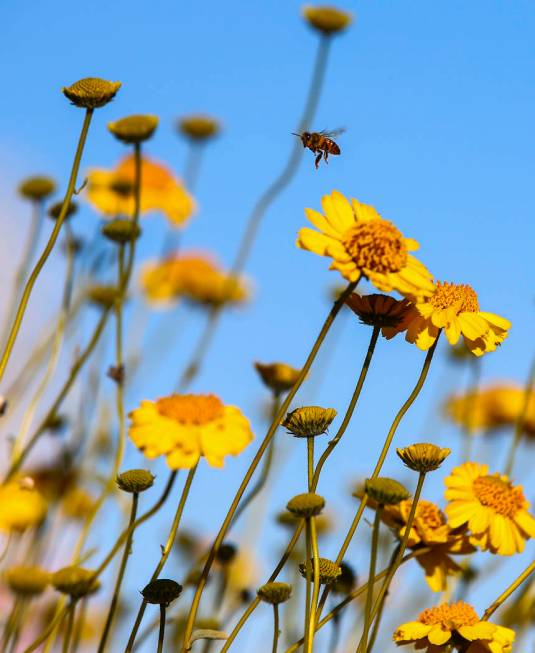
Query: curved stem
166, 550
267, 439
371, 577
192, 368
275, 628
25, 297
520, 420
161, 633
120, 576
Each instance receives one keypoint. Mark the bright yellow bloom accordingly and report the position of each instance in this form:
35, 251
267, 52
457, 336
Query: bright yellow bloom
455, 624
361, 243
21, 506
455, 308
195, 277
111, 192
430, 530
495, 511
185, 427
493, 407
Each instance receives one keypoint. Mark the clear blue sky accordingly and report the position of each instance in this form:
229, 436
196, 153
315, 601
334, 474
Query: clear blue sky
438, 100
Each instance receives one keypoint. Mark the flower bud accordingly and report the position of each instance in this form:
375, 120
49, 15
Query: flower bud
309, 421
423, 457
306, 505
162, 591
198, 127
91, 92
75, 581
55, 210
121, 231
37, 188
278, 377
274, 592
385, 491
327, 20
27, 581
329, 570
135, 480
134, 129
102, 296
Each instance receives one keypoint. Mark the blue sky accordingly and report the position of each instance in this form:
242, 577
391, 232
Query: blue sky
438, 101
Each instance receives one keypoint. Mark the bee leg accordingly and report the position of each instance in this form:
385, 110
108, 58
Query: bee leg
326, 156
318, 159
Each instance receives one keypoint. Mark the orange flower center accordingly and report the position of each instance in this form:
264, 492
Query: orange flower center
191, 409
462, 296
429, 515
451, 616
376, 245
500, 495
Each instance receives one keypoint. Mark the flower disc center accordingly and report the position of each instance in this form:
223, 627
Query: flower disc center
461, 295
376, 245
450, 615
500, 495
191, 409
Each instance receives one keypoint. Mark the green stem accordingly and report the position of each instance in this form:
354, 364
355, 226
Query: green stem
520, 420
56, 621
507, 593
166, 550
308, 577
161, 634
265, 443
70, 622
316, 586
371, 577
310, 462
192, 368
275, 628
120, 576
25, 297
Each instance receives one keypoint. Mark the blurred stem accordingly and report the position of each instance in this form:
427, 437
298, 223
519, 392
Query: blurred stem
161, 634
371, 578
472, 393
382, 456
71, 610
256, 460
56, 621
507, 593
25, 297
166, 550
120, 576
377, 621
266, 199
192, 368
520, 420
275, 628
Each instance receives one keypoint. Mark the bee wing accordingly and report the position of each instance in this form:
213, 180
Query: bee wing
332, 133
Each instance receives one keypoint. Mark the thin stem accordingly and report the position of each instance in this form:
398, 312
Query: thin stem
265, 443
371, 577
71, 610
316, 586
166, 550
56, 621
25, 297
310, 462
520, 420
308, 577
472, 392
192, 368
161, 634
120, 576
507, 593
275, 628
350, 409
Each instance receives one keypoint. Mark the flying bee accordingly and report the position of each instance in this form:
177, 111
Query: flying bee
320, 143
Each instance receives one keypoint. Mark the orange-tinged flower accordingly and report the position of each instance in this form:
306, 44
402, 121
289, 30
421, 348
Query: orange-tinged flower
457, 625
455, 308
495, 510
21, 506
111, 192
361, 243
185, 427
381, 311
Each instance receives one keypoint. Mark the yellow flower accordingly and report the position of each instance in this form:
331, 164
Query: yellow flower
360, 242
454, 624
495, 511
111, 192
455, 308
430, 530
185, 427
493, 407
195, 277
21, 507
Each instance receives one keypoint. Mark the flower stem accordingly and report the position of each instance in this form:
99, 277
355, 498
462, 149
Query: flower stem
166, 550
371, 578
120, 576
275, 628
520, 420
71, 610
507, 593
256, 460
316, 586
56, 621
161, 633
25, 297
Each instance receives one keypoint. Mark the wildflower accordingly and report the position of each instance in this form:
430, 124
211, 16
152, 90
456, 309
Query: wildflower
495, 510
309, 421
361, 243
242, 572
457, 624
274, 592
121, 231
279, 377
134, 129
102, 296
194, 277
21, 507
386, 491
491, 408
198, 127
185, 427
162, 591
54, 211
135, 481
430, 529
423, 457
75, 581
111, 192
455, 308
306, 505
381, 311
91, 92
327, 20
37, 188
329, 570
27, 581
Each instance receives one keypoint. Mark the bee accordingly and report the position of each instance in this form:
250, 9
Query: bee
320, 143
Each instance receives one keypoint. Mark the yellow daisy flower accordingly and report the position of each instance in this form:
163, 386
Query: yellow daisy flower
495, 511
361, 243
457, 625
455, 308
185, 427
430, 529
195, 277
21, 506
111, 192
